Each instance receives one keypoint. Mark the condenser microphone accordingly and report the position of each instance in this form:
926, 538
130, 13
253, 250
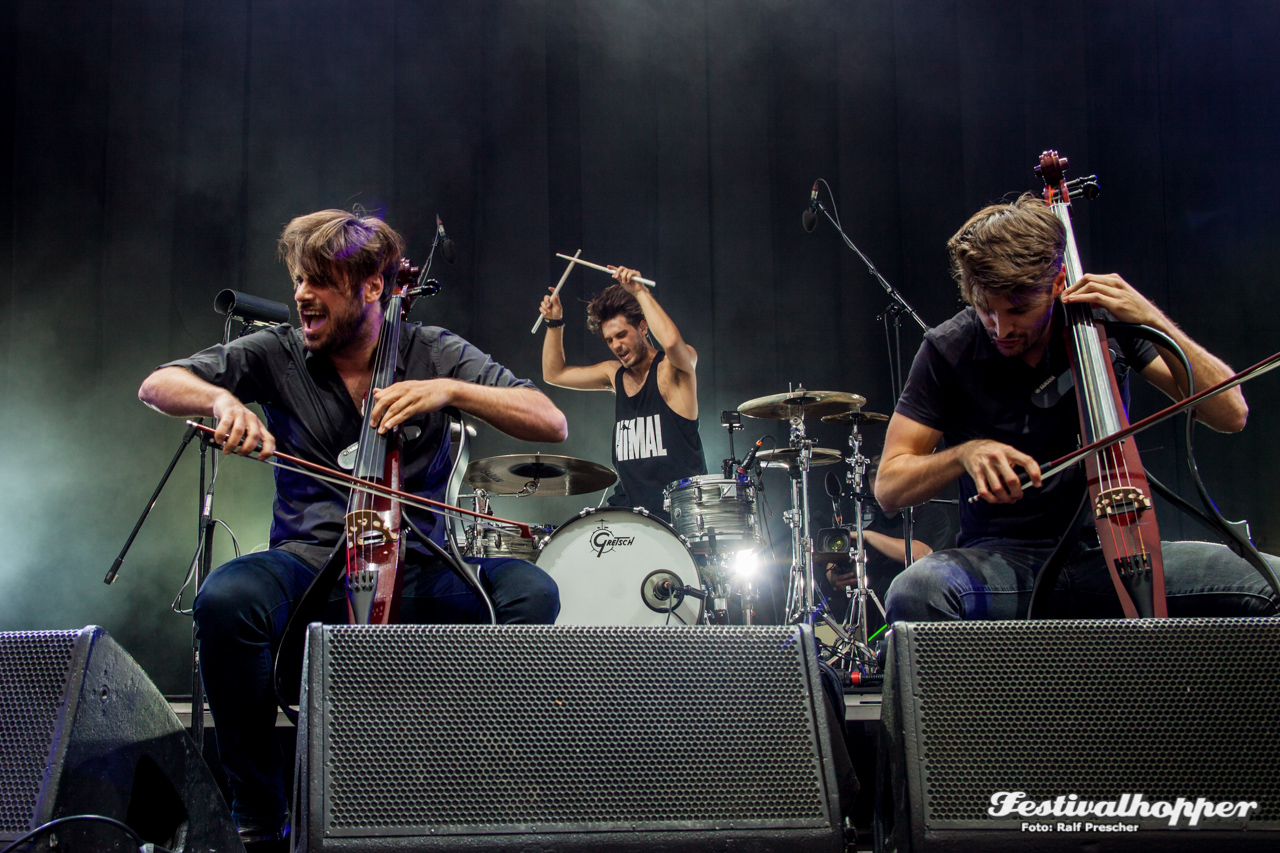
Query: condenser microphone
809, 219
252, 310
745, 467
447, 248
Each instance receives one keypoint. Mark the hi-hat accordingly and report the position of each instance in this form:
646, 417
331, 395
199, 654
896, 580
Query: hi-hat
858, 418
788, 457
540, 474
803, 404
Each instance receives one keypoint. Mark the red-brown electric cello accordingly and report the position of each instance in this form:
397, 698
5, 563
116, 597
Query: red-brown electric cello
1119, 494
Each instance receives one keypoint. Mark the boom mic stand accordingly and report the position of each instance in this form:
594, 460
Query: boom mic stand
891, 317
235, 306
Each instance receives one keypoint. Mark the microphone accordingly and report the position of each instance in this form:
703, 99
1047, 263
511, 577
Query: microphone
251, 310
751, 457
809, 219
447, 248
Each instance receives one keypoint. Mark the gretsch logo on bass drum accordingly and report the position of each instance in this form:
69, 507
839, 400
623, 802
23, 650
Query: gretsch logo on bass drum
603, 541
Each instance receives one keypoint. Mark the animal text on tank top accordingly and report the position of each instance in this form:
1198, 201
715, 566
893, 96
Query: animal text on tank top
652, 445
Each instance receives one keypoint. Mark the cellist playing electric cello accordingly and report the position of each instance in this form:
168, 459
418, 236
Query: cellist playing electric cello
313, 383
994, 386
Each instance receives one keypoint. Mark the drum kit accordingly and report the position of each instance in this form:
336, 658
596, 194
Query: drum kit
619, 566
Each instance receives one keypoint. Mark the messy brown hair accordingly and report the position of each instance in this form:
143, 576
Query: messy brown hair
341, 249
613, 301
1012, 250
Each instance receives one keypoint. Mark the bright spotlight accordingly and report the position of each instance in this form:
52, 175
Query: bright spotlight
746, 563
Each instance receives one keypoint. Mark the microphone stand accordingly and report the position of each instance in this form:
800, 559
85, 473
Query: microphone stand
892, 317
204, 563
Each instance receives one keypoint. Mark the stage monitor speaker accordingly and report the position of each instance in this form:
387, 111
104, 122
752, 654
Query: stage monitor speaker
84, 731
560, 738
1152, 735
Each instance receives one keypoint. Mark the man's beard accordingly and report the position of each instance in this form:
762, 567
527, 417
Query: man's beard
340, 332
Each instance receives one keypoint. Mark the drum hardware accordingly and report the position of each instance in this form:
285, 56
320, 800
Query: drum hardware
603, 561
794, 407
715, 515
540, 474
803, 404
732, 421
851, 648
785, 457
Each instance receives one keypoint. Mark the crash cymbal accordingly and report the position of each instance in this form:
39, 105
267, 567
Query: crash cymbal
858, 418
540, 474
785, 457
802, 403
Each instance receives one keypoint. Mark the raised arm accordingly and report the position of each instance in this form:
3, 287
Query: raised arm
680, 355
596, 377
179, 392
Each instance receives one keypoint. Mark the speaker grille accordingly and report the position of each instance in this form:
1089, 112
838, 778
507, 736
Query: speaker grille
453, 729
1168, 708
33, 675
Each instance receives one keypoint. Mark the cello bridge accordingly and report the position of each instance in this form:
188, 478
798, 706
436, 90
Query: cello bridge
366, 529
1120, 500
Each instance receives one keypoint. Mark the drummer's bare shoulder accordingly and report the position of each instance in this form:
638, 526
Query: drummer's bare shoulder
679, 388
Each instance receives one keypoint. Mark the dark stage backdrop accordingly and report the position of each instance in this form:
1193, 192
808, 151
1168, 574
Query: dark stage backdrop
156, 147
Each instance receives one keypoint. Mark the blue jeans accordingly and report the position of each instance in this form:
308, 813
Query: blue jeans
994, 578
240, 615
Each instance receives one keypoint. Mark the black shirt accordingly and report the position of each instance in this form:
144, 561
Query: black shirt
312, 416
962, 386
652, 445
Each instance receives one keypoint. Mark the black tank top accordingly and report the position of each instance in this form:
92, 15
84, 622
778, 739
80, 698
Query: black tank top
652, 445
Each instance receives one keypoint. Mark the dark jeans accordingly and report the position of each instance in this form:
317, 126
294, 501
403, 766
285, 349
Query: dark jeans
240, 615
994, 578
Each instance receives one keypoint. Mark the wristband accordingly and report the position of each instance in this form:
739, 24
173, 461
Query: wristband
554, 324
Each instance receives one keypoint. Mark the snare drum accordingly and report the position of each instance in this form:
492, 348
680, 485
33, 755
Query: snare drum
716, 514
502, 543
615, 566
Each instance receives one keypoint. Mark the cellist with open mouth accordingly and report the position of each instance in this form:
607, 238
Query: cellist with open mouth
313, 382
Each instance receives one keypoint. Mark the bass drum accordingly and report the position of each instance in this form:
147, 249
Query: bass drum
614, 566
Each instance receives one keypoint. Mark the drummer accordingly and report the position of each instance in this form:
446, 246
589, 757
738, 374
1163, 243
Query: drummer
655, 429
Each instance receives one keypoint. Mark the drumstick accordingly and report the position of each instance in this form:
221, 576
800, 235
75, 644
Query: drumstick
575, 260
556, 292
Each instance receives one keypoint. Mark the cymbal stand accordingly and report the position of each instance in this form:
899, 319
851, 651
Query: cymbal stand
800, 592
854, 635
473, 535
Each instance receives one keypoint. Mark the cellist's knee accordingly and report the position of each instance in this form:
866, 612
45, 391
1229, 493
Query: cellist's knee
249, 597
522, 593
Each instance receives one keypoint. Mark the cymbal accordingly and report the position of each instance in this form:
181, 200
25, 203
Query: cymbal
858, 418
802, 403
540, 474
785, 457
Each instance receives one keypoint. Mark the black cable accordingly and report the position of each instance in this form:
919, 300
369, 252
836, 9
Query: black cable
95, 818
447, 558
1229, 532
1047, 576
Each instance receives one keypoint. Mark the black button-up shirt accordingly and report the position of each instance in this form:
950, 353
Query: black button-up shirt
312, 416
963, 387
